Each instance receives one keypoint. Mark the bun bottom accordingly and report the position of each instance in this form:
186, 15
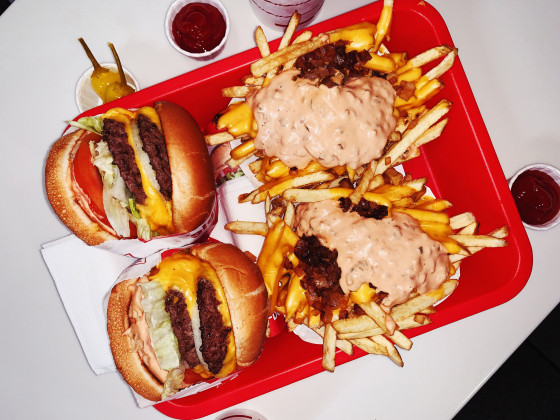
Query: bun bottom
59, 185
127, 360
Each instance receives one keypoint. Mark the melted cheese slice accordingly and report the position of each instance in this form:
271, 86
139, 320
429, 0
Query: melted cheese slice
359, 36
181, 271
239, 120
364, 294
155, 209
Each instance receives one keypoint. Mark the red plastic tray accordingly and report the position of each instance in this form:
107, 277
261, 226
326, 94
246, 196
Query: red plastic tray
461, 165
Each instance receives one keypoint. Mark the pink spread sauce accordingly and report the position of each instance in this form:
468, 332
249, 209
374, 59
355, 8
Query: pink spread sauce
343, 125
393, 254
139, 334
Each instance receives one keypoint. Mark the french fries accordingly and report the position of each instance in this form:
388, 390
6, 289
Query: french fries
379, 316
419, 303
361, 321
248, 228
329, 347
417, 126
389, 349
344, 345
410, 136
382, 27
276, 59
348, 328
377, 331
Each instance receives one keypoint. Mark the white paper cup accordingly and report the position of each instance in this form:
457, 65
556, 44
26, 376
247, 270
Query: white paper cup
86, 98
176, 7
554, 173
277, 13
240, 414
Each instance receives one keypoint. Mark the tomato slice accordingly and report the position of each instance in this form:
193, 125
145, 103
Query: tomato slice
87, 176
89, 179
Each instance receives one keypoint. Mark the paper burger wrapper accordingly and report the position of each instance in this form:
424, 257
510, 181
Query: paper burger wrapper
138, 269
138, 248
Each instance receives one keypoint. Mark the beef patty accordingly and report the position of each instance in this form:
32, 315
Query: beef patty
214, 333
154, 145
114, 133
176, 305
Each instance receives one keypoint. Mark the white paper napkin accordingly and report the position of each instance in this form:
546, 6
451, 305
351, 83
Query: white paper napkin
83, 274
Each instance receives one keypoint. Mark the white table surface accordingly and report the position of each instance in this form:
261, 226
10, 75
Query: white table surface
509, 52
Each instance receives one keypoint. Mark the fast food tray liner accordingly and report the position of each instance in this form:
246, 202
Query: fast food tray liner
461, 166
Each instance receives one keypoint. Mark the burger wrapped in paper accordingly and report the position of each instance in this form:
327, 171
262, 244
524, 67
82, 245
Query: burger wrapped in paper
132, 174
200, 313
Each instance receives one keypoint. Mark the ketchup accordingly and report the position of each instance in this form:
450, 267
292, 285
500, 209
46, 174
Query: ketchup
198, 27
537, 197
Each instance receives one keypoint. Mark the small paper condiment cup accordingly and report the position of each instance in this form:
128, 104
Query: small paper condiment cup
240, 414
86, 98
176, 7
554, 173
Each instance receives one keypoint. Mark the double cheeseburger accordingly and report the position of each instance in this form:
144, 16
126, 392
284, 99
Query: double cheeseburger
131, 174
199, 314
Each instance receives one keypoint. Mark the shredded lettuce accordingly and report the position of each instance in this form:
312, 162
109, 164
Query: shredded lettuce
143, 230
116, 214
173, 382
102, 157
164, 341
94, 124
115, 193
133, 209
117, 199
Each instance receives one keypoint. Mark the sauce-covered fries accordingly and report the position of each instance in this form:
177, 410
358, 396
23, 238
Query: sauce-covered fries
367, 296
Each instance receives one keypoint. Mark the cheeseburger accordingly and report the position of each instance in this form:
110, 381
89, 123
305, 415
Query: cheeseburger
200, 313
131, 174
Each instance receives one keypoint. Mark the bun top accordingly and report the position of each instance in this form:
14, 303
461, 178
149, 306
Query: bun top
194, 189
246, 297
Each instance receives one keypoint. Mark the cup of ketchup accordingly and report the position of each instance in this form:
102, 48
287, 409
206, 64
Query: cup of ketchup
198, 28
536, 192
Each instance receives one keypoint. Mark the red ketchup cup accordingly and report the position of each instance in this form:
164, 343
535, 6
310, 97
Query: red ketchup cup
197, 29
536, 192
